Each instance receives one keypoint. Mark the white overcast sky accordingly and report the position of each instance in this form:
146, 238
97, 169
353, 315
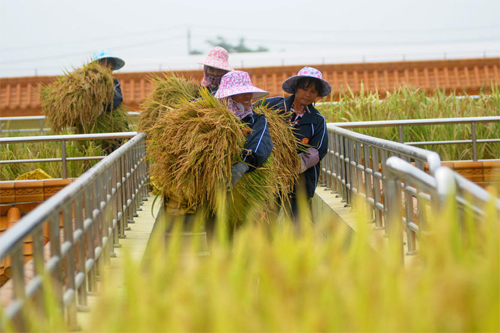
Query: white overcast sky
45, 37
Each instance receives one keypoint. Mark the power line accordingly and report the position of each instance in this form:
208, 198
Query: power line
81, 41
60, 56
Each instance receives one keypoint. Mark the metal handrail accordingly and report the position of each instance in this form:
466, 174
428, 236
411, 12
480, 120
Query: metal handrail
94, 211
422, 190
434, 121
41, 120
63, 139
351, 166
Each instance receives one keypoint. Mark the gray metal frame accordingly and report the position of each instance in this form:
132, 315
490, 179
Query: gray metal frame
430, 193
41, 119
472, 121
63, 139
95, 211
351, 167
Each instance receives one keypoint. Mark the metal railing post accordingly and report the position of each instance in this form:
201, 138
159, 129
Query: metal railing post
63, 156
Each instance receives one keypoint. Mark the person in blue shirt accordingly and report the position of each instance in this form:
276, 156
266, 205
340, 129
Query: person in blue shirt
237, 91
105, 58
309, 128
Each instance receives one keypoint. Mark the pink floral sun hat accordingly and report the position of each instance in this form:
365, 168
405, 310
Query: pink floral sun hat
238, 82
218, 57
291, 83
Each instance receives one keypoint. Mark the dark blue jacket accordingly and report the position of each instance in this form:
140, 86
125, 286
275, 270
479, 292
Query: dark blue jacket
311, 126
258, 145
117, 97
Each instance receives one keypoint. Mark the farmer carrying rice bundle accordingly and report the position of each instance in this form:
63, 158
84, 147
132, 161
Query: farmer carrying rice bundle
211, 145
87, 100
309, 129
172, 89
215, 65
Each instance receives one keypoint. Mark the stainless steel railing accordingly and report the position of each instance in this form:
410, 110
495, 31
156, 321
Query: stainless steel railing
64, 159
93, 211
413, 194
39, 120
351, 167
400, 124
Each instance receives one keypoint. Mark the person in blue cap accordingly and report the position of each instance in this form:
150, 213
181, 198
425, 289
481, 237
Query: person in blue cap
105, 58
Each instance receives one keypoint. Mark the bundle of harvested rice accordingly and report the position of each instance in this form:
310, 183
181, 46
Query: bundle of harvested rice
107, 122
194, 145
77, 98
274, 179
168, 91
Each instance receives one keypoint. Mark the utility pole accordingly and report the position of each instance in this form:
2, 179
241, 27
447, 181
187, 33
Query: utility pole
189, 41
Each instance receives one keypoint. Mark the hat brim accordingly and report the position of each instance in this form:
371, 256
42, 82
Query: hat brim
257, 93
116, 63
225, 67
290, 84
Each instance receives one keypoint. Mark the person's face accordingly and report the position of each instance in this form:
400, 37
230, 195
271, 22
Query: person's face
106, 63
215, 71
306, 95
245, 99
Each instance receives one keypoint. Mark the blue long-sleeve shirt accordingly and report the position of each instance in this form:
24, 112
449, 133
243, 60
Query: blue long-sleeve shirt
311, 129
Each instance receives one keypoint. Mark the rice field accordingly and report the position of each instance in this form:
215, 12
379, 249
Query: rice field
40, 150
410, 103
269, 277
321, 279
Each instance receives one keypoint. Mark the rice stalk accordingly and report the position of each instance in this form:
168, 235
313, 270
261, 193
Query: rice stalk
167, 91
193, 146
77, 98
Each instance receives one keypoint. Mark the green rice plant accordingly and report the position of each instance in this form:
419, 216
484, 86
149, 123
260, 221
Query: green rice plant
284, 280
410, 103
39, 150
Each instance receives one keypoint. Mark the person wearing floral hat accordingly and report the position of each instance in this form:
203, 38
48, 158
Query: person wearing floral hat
310, 126
237, 91
105, 58
215, 65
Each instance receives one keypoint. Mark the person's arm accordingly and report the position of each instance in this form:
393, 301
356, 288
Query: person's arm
257, 149
117, 97
318, 146
258, 145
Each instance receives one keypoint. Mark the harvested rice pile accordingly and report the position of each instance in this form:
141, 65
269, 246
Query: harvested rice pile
194, 145
168, 91
76, 99
276, 177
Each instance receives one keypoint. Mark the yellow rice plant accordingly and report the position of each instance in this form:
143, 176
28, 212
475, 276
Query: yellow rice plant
282, 168
193, 147
168, 90
77, 98
107, 122
312, 281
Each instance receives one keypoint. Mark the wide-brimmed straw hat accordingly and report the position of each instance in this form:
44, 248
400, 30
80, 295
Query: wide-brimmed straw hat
238, 82
218, 57
116, 63
290, 84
